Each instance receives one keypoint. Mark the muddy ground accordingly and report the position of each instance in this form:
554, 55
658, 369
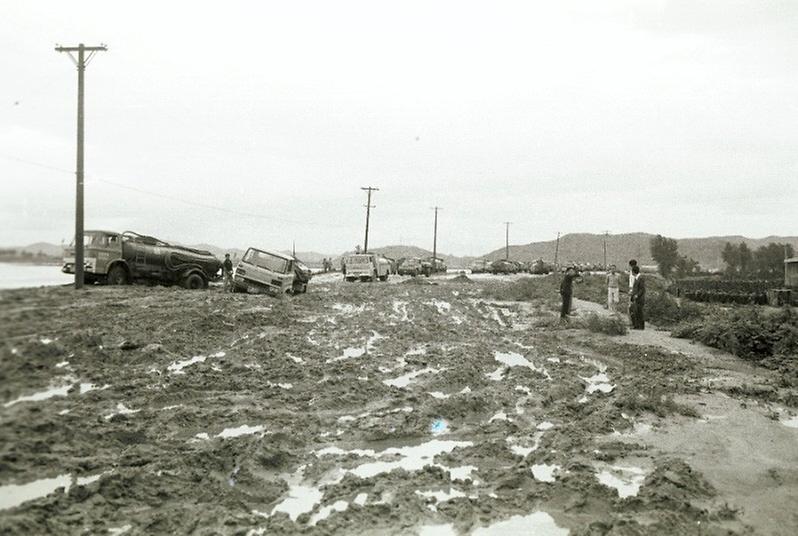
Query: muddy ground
401, 408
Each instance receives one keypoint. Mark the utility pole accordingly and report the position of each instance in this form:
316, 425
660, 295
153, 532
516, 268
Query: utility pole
557, 252
507, 240
81, 62
369, 206
435, 235
606, 233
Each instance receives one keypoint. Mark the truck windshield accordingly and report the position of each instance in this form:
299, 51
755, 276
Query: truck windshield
358, 259
97, 240
266, 261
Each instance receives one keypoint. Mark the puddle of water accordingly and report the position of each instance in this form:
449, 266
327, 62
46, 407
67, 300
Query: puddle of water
294, 358
437, 530
238, 431
791, 422
118, 531
352, 352
62, 364
440, 495
178, 366
51, 392
465, 390
13, 495
626, 480
538, 523
325, 511
361, 499
45, 340
121, 409
64, 411
544, 472
439, 427
86, 387
411, 458
501, 416
598, 382
280, 385
497, 375
301, 499
545, 425
461, 473
524, 451
406, 379
553, 359
438, 395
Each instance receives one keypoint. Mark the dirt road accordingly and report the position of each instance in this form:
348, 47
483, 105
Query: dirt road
405, 408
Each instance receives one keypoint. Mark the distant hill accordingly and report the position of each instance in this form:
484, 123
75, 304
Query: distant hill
43, 248
589, 248
399, 252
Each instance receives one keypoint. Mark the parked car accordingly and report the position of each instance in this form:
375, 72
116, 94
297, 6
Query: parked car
270, 272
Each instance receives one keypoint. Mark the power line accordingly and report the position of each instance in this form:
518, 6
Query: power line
507, 240
435, 235
92, 178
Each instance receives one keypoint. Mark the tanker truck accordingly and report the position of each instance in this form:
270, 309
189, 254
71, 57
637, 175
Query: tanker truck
120, 258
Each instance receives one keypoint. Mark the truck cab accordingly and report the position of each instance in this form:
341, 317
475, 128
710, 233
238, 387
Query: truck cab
101, 249
270, 272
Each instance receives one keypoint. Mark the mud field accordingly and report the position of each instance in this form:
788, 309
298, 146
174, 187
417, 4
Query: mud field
402, 408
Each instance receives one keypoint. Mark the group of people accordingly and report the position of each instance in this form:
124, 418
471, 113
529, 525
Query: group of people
637, 292
326, 265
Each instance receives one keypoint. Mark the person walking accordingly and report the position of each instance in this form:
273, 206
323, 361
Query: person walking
637, 297
613, 292
227, 272
567, 292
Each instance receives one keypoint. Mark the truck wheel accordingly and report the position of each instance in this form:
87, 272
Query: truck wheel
117, 275
194, 282
384, 277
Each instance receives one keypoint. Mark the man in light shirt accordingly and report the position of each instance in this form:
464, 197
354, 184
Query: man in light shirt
613, 291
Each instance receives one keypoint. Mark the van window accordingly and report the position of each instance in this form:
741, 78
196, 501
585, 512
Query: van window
266, 261
358, 259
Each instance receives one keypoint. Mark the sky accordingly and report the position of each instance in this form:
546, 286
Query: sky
257, 123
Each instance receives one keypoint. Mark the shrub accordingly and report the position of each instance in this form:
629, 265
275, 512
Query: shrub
746, 332
611, 325
665, 311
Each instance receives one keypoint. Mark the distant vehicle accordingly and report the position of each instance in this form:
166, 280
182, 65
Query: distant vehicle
411, 266
539, 267
367, 267
270, 272
121, 258
480, 266
434, 266
503, 266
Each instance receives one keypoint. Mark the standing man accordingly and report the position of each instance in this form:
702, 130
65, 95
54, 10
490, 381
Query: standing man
637, 297
613, 295
227, 272
567, 292
632, 264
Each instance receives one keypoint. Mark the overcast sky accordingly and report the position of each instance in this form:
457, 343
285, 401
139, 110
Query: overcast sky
671, 117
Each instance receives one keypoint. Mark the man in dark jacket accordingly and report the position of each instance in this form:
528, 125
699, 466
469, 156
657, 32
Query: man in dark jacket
637, 298
567, 291
227, 272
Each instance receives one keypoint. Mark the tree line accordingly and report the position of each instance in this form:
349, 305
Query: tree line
765, 262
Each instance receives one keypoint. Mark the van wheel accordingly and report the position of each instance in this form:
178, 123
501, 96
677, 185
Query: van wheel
384, 277
194, 282
117, 275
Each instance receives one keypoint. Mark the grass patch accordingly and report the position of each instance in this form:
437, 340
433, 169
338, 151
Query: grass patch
611, 325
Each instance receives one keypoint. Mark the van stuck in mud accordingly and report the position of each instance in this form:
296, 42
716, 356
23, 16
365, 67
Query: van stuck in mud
120, 258
262, 271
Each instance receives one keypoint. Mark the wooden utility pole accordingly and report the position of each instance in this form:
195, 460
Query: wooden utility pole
369, 206
606, 233
556, 252
507, 240
435, 235
80, 62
